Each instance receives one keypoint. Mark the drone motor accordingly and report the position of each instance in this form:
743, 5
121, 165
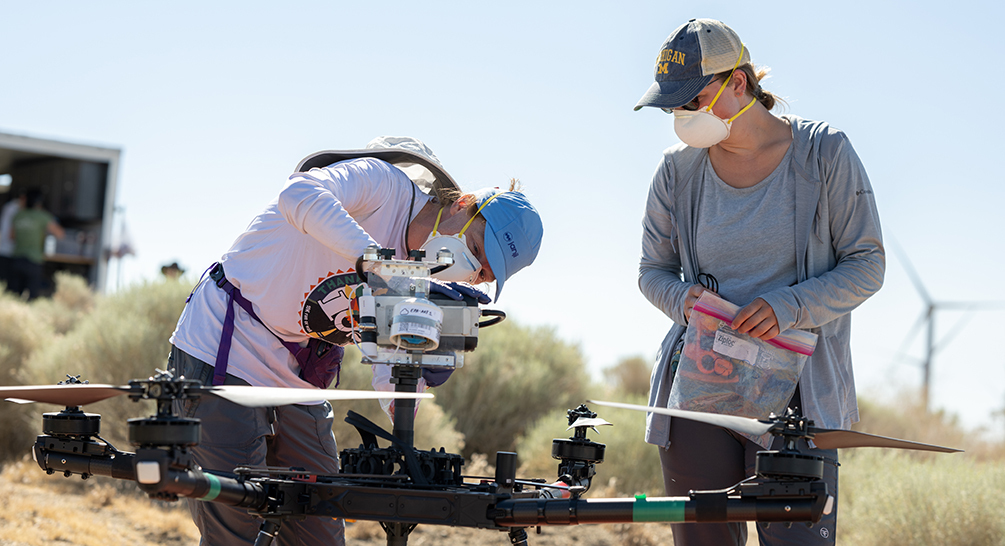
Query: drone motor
578, 456
164, 431
789, 465
72, 421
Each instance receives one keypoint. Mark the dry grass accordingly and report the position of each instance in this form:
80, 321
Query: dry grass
890, 497
41, 510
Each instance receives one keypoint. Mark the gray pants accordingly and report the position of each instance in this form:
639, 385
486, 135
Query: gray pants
705, 457
233, 435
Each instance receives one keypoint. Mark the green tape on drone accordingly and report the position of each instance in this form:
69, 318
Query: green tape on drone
660, 509
214, 488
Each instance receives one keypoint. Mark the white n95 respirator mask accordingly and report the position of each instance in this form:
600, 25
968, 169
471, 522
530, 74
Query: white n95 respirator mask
701, 128
466, 266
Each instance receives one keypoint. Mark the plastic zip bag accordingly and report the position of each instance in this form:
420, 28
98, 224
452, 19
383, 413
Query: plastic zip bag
725, 372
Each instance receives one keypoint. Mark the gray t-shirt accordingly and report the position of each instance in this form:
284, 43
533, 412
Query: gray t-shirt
745, 237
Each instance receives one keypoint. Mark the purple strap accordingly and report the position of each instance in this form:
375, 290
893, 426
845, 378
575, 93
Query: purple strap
223, 353
234, 294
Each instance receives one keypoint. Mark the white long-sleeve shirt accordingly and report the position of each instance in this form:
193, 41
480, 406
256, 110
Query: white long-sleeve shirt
295, 263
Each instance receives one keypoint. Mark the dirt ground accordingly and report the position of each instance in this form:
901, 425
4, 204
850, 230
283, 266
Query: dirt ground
41, 510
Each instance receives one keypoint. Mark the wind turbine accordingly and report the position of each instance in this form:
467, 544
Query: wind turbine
927, 319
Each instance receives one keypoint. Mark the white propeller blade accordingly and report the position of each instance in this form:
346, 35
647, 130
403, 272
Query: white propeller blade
254, 397
589, 422
739, 424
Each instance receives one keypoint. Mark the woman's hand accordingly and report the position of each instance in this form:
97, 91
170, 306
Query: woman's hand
757, 319
691, 298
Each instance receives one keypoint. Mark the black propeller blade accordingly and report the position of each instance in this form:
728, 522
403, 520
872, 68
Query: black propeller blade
62, 395
837, 439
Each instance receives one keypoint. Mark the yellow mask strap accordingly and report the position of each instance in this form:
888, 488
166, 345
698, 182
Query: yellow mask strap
730, 120
437, 224
723, 88
473, 216
751, 104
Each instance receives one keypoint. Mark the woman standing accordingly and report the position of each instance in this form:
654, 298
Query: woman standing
780, 212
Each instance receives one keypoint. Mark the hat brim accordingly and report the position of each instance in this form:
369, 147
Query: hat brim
673, 94
494, 254
390, 155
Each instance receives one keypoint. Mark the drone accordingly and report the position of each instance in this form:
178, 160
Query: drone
402, 325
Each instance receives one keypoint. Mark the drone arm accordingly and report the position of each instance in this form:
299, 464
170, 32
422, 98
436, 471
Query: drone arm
157, 474
53, 457
701, 506
771, 501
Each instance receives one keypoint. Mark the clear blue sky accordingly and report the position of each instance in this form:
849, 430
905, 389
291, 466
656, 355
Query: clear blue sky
214, 103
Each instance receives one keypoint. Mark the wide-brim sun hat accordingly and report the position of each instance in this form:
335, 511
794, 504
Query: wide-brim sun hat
409, 154
690, 57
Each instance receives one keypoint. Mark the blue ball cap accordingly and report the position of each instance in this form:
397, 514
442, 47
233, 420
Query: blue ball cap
513, 232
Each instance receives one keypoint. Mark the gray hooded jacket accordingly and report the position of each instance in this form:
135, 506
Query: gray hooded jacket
840, 262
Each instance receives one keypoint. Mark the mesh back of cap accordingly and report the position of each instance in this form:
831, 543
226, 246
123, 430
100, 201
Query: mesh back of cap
719, 48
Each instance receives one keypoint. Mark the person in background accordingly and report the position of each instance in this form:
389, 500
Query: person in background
294, 267
29, 228
780, 211
172, 271
7, 213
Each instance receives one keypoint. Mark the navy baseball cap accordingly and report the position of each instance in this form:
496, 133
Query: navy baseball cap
689, 59
513, 232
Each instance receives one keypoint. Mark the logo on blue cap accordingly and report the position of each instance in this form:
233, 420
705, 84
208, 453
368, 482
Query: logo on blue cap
512, 245
513, 232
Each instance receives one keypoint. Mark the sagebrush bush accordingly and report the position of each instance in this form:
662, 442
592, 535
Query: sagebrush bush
630, 375
904, 416
516, 376
21, 334
124, 336
72, 300
433, 428
630, 464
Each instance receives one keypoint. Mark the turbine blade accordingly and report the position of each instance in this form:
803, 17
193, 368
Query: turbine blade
970, 305
912, 273
953, 332
911, 334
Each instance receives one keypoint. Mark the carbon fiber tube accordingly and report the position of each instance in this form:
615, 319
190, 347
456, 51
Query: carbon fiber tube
209, 487
704, 508
119, 466
193, 483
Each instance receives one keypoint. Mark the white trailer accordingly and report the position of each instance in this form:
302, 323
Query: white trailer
78, 183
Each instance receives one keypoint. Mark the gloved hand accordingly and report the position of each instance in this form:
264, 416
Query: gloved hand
436, 376
457, 291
